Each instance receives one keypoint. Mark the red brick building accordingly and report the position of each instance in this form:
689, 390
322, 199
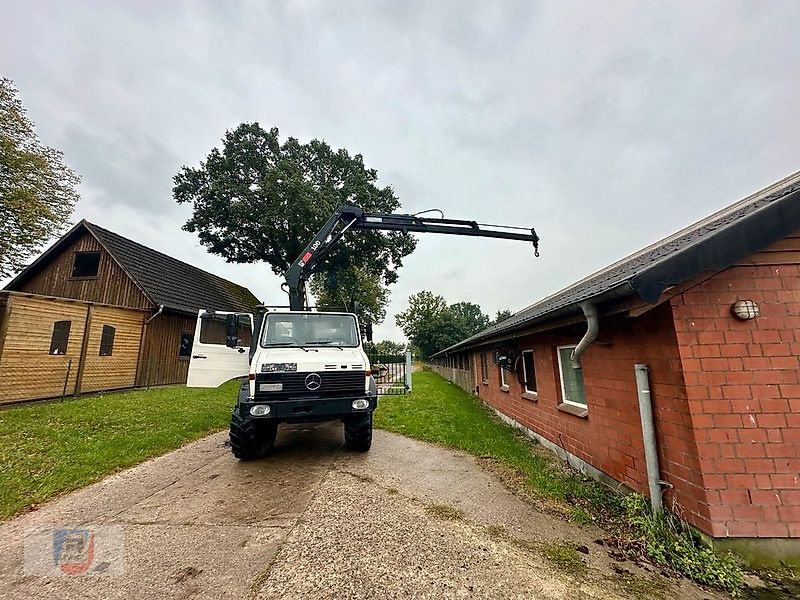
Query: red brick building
725, 390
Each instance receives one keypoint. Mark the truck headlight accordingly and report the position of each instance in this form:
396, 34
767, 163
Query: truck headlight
259, 410
360, 404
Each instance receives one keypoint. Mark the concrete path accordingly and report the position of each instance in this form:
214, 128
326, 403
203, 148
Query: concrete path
311, 521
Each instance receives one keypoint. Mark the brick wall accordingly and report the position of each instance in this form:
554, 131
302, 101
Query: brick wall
609, 438
744, 398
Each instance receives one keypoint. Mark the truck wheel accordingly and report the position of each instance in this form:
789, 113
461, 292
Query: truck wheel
251, 439
358, 432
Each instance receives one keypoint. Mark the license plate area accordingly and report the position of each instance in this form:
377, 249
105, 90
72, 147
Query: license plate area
270, 387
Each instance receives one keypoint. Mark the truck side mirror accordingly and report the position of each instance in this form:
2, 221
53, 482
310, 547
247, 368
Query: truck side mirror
231, 331
369, 331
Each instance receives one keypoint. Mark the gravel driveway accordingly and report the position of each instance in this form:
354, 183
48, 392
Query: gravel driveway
405, 520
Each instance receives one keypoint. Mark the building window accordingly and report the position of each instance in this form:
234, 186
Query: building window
484, 368
185, 347
503, 382
85, 264
572, 391
58, 343
107, 340
528, 372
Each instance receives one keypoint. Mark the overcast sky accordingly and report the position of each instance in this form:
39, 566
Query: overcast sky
606, 125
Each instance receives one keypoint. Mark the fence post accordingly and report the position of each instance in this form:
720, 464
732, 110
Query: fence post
409, 378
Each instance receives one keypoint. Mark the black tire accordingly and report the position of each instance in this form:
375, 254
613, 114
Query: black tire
358, 432
251, 439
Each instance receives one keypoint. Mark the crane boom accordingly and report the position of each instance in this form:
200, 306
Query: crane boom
347, 217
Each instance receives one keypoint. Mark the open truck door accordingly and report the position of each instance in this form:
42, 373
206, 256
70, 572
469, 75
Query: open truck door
221, 348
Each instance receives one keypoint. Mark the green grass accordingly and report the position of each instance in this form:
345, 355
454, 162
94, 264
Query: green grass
440, 412
564, 555
49, 449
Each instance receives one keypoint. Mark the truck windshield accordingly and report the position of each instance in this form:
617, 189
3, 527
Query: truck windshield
310, 329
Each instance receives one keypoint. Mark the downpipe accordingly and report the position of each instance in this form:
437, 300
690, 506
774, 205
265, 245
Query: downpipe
654, 482
592, 328
158, 312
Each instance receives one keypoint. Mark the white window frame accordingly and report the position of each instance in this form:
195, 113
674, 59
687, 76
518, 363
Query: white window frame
561, 378
503, 383
525, 389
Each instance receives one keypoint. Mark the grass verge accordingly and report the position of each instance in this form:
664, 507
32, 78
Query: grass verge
48, 449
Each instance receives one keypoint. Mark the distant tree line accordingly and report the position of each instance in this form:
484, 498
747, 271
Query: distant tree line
431, 324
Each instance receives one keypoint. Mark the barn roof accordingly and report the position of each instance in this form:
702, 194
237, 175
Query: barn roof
165, 280
710, 245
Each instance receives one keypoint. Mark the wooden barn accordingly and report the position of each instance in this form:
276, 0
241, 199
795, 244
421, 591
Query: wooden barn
98, 311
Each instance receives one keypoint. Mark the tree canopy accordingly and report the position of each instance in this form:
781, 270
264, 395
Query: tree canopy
257, 199
388, 347
502, 315
431, 324
37, 190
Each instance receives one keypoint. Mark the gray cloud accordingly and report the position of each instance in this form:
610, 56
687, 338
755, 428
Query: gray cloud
605, 125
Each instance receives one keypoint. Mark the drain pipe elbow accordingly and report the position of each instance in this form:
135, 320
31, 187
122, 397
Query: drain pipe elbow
158, 312
592, 328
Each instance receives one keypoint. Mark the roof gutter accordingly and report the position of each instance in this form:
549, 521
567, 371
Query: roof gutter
158, 312
592, 328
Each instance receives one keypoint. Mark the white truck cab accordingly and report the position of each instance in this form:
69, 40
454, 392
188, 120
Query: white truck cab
300, 366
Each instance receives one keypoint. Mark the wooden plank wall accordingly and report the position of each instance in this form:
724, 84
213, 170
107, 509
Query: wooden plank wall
27, 369
111, 286
160, 364
119, 369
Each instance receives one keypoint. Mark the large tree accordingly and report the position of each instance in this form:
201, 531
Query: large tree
257, 199
502, 315
37, 190
341, 289
470, 318
431, 324
388, 347
423, 307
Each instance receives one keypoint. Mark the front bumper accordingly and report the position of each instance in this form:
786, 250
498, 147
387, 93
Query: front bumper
300, 410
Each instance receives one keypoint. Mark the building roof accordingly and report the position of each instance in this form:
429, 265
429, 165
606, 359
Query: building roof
165, 280
710, 245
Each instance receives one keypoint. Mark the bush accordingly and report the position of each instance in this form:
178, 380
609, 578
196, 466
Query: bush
669, 541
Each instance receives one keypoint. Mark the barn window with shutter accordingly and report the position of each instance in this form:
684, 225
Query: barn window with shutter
60, 339
85, 264
107, 340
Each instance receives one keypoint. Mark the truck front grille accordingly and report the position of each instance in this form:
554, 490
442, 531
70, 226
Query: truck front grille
301, 385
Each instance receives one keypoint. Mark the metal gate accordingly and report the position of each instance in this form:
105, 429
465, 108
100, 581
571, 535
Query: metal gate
392, 372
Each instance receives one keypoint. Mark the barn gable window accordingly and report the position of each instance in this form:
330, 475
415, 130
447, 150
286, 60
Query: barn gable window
185, 347
107, 340
85, 264
60, 339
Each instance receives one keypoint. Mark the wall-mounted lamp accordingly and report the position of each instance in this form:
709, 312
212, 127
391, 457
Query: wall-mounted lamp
744, 309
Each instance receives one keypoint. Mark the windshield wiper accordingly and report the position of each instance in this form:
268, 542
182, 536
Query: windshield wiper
302, 347
326, 343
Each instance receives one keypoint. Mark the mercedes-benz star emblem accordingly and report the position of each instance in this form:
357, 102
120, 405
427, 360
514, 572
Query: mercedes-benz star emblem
313, 382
